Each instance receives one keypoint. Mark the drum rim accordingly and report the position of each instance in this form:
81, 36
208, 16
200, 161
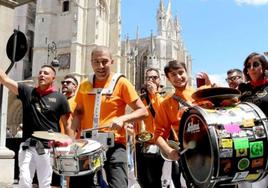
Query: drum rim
200, 114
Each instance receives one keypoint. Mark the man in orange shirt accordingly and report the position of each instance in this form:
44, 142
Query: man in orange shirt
169, 113
101, 100
149, 161
68, 88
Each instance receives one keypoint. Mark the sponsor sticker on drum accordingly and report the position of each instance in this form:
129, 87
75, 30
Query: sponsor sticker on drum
256, 149
225, 153
226, 166
243, 164
239, 176
241, 143
241, 152
232, 128
226, 143
223, 133
259, 132
252, 177
248, 122
257, 163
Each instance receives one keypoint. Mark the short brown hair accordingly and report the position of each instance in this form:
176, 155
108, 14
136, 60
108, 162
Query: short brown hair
174, 64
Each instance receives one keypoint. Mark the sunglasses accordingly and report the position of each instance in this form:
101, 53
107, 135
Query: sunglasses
255, 64
152, 77
233, 78
66, 82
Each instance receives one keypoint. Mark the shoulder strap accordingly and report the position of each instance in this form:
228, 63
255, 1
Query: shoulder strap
148, 101
181, 101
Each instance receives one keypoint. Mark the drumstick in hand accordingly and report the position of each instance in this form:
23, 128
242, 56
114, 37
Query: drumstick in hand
97, 128
190, 145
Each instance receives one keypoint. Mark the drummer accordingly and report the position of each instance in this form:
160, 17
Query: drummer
38, 104
105, 95
170, 110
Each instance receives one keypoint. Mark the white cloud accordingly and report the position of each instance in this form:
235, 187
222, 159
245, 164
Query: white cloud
252, 2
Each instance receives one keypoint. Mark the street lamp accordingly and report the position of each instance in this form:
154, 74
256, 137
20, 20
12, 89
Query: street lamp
52, 49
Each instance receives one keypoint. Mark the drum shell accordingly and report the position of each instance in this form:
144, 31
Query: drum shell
69, 163
220, 134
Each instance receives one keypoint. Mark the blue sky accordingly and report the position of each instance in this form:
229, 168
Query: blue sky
218, 34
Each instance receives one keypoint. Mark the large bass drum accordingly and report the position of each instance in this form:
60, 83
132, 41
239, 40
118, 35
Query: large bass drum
231, 145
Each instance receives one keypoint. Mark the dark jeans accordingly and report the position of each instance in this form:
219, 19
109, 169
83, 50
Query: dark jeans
57, 180
115, 168
149, 168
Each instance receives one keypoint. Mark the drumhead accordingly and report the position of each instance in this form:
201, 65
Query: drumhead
197, 163
230, 145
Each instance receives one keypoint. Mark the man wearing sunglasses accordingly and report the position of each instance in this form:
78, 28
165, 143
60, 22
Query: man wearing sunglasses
148, 158
234, 78
68, 88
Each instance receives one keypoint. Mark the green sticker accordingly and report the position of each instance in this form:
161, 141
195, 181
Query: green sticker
243, 164
241, 143
256, 149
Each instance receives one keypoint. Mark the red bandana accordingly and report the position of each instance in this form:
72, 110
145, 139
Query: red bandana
46, 91
258, 83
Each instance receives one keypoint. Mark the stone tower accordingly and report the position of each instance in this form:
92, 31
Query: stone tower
155, 51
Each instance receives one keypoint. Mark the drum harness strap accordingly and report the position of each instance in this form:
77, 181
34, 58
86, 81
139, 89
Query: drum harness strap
98, 92
181, 101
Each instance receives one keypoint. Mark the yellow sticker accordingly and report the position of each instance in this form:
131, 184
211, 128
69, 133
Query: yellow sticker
96, 162
248, 122
251, 177
226, 143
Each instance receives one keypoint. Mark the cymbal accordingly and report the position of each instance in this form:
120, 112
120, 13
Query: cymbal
50, 135
215, 94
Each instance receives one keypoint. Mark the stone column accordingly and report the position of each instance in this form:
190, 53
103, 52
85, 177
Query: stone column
6, 155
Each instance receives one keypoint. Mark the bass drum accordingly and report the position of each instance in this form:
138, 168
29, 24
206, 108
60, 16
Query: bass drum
230, 145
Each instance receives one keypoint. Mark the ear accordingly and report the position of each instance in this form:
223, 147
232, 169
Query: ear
112, 61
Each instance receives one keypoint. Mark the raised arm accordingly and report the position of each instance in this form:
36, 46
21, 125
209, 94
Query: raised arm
12, 85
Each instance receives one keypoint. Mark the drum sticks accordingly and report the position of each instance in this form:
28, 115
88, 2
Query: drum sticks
190, 145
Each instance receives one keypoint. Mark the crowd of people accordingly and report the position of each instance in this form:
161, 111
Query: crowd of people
101, 100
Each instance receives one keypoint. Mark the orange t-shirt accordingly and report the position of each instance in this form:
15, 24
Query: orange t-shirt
169, 114
149, 120
112, 106
72, 105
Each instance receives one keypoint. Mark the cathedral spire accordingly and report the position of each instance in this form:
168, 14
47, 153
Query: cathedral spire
137, 35
161, 6
169, 9
152, 43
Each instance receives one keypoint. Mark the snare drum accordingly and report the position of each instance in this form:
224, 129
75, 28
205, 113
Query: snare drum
230, 147
82, 157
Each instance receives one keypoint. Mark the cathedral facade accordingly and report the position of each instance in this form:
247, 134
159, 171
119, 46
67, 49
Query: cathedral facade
155, 50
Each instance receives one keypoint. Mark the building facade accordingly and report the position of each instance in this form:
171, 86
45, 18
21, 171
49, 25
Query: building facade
156, 50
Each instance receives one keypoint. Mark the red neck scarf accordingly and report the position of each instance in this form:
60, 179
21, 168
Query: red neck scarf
46, 91
259, 83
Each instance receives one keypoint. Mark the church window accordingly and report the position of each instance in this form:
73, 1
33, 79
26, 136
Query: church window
65, 6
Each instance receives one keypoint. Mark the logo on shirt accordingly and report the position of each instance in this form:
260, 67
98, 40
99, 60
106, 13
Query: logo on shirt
52, 100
